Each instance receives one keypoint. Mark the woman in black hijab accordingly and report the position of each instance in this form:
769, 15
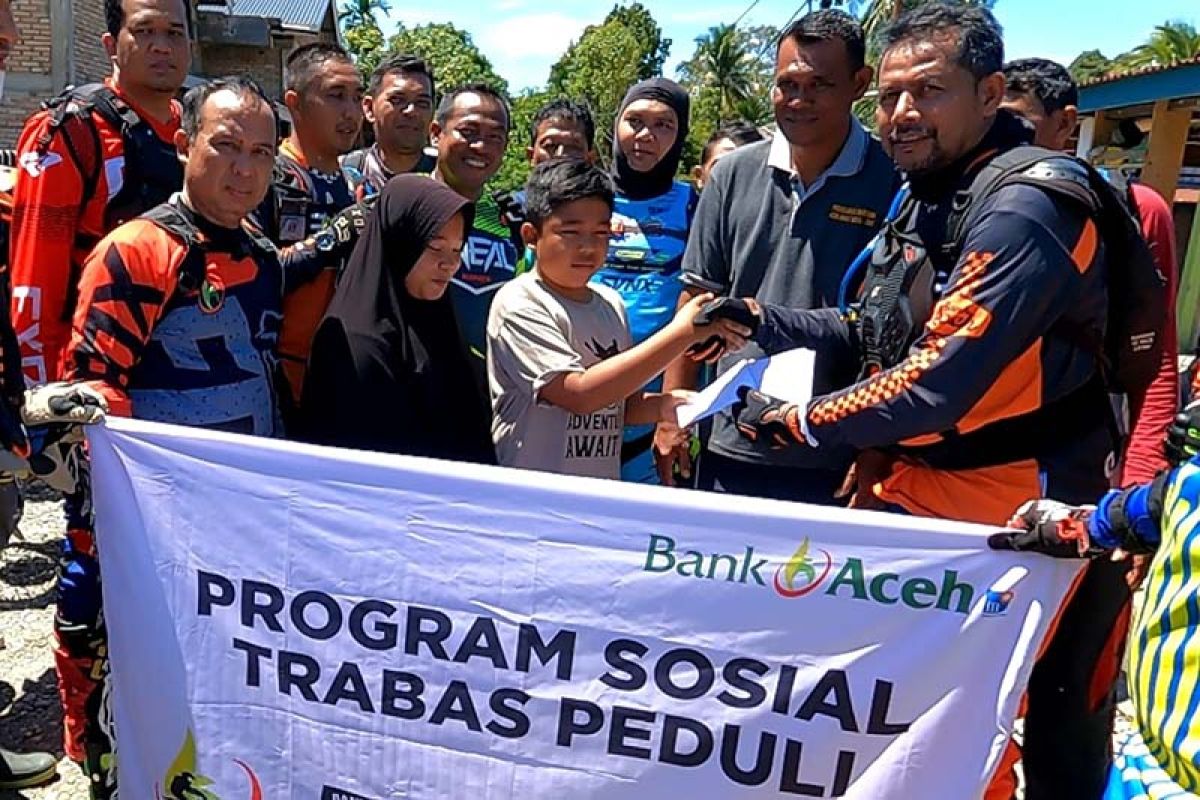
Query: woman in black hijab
388, 371
651, 219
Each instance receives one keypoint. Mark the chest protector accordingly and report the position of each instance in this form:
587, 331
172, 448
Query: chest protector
210, 359
152, 172
906, 276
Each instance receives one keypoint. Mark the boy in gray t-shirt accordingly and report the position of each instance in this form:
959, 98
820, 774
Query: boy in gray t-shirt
563, 375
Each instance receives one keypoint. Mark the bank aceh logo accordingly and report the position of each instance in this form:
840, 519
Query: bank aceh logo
811, 569
801, 565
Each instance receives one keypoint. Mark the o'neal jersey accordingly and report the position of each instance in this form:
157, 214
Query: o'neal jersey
489, 260
645, 257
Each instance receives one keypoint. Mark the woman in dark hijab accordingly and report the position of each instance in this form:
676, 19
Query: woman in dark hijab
651, 219
388, 370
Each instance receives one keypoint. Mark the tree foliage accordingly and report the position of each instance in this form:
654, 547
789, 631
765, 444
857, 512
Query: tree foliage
364, 41
637, 18
358, 12
515, 168
1090, 64
451, 54
608, 58
1171, 43
728, 78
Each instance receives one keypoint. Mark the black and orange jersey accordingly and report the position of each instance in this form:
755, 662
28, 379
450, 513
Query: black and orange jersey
301, 200
61, 212
178, 321
990, 353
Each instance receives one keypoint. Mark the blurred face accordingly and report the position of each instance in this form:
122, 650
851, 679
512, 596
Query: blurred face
329, 111
400, 112
572, 242
559, 139
718, 151
430, 276
1050, 130
646, 132
471, 145
227, 166
9, 36
152, 51
932, 111
815, 88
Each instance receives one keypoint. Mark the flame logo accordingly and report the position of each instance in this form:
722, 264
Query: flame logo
801, 565
181, 781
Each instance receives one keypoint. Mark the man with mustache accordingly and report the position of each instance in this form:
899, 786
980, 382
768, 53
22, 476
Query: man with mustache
399, 106
470, 131
98, 156
980, 386
781, 221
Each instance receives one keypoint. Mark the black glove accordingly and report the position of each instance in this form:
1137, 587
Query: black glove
340, 233
1048, 527
739, 310
1183, 436
761, 416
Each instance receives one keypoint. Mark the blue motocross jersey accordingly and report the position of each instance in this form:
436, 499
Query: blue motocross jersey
645, 255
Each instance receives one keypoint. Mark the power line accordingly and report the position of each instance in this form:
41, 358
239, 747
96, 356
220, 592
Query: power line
749, 8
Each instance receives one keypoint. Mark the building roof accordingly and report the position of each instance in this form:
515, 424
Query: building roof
1140, 86
307, 15
1150, 69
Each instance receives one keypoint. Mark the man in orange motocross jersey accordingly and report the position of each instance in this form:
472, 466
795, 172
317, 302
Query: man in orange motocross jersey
178, 312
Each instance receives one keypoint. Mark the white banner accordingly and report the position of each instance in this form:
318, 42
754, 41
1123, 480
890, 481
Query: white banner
296, 622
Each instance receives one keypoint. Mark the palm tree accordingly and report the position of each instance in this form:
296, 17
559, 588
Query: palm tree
723, 62
358, 12
1171, 43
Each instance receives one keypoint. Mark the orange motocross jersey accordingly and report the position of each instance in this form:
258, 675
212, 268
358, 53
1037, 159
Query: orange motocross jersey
78, 178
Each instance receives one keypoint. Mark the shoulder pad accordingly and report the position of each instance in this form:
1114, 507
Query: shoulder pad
1058, 169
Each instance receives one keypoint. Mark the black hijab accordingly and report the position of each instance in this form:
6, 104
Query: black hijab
641, 185
389, 372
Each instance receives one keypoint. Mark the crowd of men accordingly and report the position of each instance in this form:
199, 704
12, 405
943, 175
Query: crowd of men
970, 291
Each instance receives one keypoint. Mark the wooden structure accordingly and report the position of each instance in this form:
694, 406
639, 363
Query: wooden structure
1163, 102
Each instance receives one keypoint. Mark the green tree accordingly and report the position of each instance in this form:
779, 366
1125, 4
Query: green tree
729, 78
451, 52
356, 12
1171, 43
723, 63
600, 67
1089, 65
515, 168
364, 41
637, 18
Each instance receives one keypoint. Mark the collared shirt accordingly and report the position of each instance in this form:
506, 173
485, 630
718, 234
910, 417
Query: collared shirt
849, 161
756, 235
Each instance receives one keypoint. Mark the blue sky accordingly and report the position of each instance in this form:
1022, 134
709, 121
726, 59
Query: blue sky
523, 38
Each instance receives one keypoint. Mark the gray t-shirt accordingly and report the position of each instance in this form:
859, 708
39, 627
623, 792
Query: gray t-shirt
534, 335
758, 233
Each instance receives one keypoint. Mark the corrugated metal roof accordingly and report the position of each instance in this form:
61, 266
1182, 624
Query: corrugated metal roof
1129, 73
303, 14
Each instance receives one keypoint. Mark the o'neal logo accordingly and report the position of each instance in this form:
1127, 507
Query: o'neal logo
809, 570
182, 781
801, 566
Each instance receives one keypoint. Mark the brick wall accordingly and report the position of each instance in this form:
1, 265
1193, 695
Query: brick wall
14, 110
263, 65
32, 54
30, 60
91, 62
